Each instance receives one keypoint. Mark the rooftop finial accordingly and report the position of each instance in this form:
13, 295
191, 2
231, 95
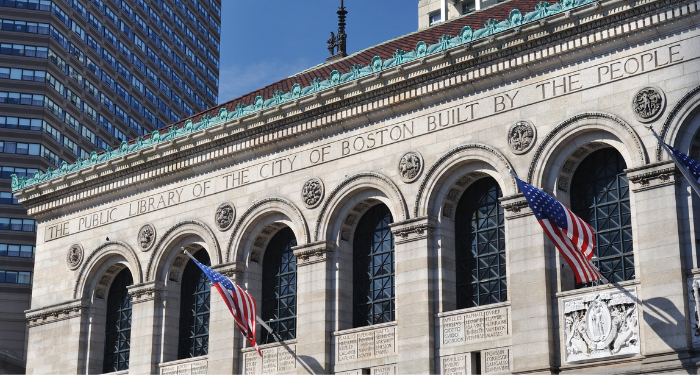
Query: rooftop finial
339, 39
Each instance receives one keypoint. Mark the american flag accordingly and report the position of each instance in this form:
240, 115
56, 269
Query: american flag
687, 165
573, 237
239, 302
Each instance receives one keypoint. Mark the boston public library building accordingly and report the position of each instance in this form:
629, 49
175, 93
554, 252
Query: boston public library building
368, 207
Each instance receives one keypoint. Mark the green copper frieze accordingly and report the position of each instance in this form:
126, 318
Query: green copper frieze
445, 42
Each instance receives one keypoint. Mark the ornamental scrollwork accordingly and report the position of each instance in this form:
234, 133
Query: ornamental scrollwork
74, 258
521, 137
410, 166
146, 237
648, 103
225, 215
312, 192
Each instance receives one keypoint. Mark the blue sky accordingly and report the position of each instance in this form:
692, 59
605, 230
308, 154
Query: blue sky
265, 41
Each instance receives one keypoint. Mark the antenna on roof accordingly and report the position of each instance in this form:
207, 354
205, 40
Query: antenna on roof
339, 40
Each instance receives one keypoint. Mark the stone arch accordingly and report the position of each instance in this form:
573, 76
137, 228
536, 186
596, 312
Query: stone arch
180, 231
120, 254
349, 188
261, 221
456, 169
570, 141
676, 130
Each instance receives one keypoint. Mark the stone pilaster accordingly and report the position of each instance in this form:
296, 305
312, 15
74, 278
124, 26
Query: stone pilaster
224, 338
529, 289
67, 325
659, 259
314, 306
414, 298
146, 317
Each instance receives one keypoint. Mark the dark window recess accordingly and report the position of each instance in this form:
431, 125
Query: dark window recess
600, 196
373, 268
279, 305
480, 246
194, 309
118, 327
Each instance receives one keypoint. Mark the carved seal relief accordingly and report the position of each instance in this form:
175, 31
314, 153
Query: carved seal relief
694, 306
146, 237
312, 192
75, 256
411, 166
521, 137
601, 325
648, 103
225, 216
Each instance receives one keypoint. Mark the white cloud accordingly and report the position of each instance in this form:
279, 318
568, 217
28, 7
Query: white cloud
237, 80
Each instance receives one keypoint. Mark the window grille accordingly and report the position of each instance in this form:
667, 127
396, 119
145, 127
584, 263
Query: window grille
279, 296
118, 327
194, 309
600, 196
480, 246
373, 268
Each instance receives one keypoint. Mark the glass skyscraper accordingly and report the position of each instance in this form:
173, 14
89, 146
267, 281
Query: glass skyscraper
78, 76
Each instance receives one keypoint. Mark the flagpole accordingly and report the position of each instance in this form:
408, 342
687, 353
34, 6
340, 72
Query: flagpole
680, 166
262, 322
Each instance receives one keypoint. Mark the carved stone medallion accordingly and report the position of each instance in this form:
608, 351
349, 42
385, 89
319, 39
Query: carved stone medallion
648, 103
601, 325
225, 216
521, 137
410, 166
146, 237
75, 256
312, 192
694, 306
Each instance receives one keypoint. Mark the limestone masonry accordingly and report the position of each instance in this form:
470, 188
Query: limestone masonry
376, 223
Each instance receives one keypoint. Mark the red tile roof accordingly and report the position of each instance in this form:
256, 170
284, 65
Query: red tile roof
385, 50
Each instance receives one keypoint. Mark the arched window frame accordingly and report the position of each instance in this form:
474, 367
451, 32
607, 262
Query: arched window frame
279, 287
117, 343
373, 268
195, 296
481, 276
597, 212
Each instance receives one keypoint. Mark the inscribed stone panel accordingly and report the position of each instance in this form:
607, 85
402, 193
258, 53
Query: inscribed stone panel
496, 323
496, 361
269, 361
474, 326
384, 342
452, 330
454, 365
365, 345
184, 369
286, 358
199, 368
251, 365
383, 370
347, 347
170, 370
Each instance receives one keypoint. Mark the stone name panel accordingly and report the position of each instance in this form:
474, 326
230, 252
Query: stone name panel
393, 132
473, 327
455, 364
694, 307
496, 361
600, 325
274, 360
191, 368
363, 345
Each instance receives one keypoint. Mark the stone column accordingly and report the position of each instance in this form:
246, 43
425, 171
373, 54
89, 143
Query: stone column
659, 260
224, 338
146, 318
414, 298
314, 307
528, 261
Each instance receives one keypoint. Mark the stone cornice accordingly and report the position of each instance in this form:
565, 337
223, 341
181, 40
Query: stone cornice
58, 312
148, 291
532, 38
654, 175
314, 252
413, 229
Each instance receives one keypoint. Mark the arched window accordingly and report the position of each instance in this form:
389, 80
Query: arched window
373, 268
194, 309
600, 196
279, 296
118, 326
480, 246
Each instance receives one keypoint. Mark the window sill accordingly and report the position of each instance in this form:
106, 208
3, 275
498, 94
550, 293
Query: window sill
599, 288
365, 328
473, 309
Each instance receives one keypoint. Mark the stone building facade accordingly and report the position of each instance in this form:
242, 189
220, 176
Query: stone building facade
372, 215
